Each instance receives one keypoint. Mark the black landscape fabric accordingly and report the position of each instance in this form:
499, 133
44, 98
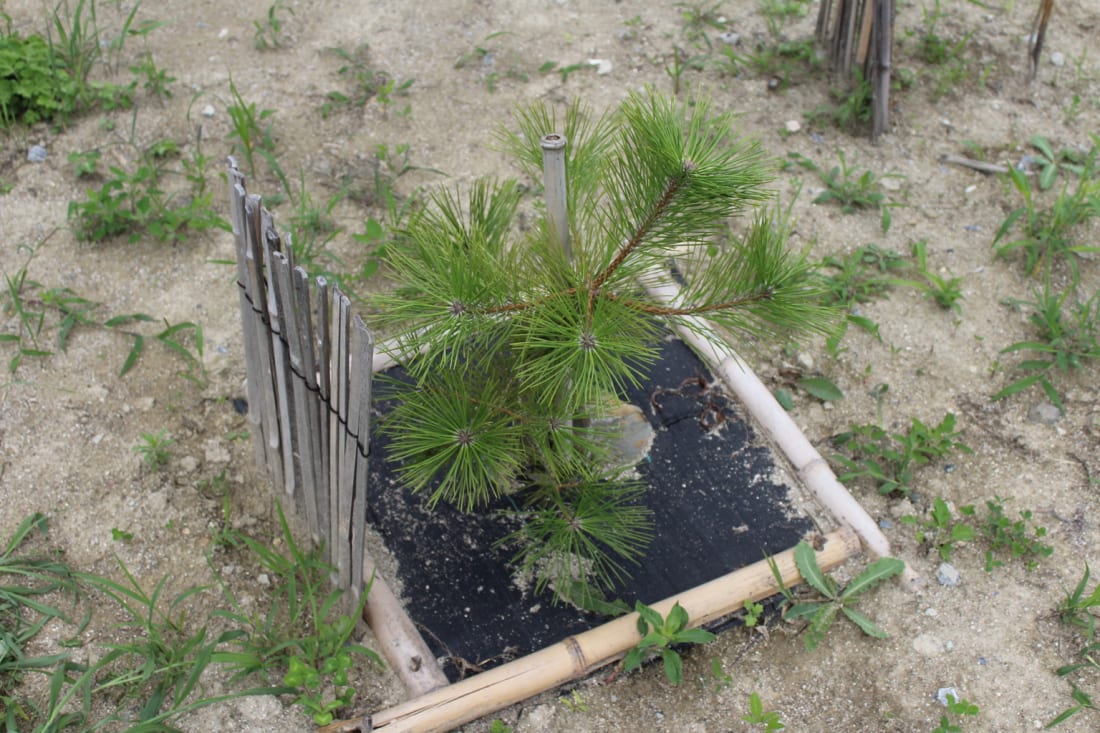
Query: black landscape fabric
717, 502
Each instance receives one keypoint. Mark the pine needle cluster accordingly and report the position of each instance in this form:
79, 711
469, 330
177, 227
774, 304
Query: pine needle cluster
519, 349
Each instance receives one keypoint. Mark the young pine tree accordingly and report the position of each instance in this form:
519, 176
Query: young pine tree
517, 348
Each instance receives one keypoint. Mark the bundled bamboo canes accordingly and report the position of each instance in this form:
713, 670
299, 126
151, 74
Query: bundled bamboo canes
309, 389
859, 37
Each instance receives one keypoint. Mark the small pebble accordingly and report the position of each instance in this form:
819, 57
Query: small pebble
1044, 413
792, 126
1058, 59
603, 66
948, 575
37, 154
943, 692
885, 524
223, 33
208, 111
817, 137
263, 579
729, 38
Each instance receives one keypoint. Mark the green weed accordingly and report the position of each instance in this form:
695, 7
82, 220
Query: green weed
847, 186
157, 81
767, 719
1065, 341
848, 107
949, 721
890, 460
1076, 609
1050, 162
269, 30
940, 530
251, 129
155, 449
1055, 234
367, 83
300, 637
659, 635
837, 600
1020, 538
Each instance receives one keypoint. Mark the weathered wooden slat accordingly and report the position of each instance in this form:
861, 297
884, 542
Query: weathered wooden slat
361, 357
300, 395
280, 359
345, 461
328, 417
317, 413
257, 292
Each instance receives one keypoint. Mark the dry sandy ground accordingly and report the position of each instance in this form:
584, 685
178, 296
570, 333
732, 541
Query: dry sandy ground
68, 423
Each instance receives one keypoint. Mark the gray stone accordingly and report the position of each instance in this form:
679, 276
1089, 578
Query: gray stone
948, 575
943, 692
1044, 413
37, 154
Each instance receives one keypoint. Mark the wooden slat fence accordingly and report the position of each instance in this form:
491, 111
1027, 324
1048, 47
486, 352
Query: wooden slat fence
308, 360
859, 38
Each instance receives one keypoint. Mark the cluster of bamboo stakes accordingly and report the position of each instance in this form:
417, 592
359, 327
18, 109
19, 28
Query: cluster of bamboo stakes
859, 38
308, 368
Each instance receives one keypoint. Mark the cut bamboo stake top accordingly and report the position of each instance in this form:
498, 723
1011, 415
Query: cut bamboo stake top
576, 656
553, 180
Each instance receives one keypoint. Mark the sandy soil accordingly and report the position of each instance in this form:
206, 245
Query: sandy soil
68, 423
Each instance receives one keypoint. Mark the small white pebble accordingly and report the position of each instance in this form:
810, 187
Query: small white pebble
792, 126
208, 111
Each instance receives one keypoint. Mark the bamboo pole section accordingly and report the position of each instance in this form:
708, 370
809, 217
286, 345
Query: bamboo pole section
268, 407
250, 321
360, 356
280, 357
555, 194
317, 414
576, 656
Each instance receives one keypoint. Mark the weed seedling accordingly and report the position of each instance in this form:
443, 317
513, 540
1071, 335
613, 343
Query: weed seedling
1076, 609
753, 612
889, 460
302, 632
848, 187
155, 449
822, 613
269, 31
722, 679
1066, 340
956, 709
573, 702
659, 635
940, 531
1052, 235
767, 719
251, 129
367, 83
1021, 538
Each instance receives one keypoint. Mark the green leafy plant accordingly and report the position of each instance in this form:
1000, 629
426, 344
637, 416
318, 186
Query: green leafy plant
499, 726
889, 460
269, 30
848, 107
753, 612
302, 634
1021, 538
945, 291
1052, 235
837, 600
29, 584
524, 350
848, 187
720, 677
757, 715
573, 702
947, 60
157, 80
659, 636
155, 449
949, 721
1050, 163
1076, 609
1066, 341
251, 129
367, 82
940, 531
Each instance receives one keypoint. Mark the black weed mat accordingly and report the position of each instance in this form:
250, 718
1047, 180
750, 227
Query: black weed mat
717, 506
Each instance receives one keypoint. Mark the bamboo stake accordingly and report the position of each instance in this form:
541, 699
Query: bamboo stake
279, 358
579, 655
301, 397
344, 471
258, 293
249, 318
880, 65
553, 177
318, 414
358, 427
